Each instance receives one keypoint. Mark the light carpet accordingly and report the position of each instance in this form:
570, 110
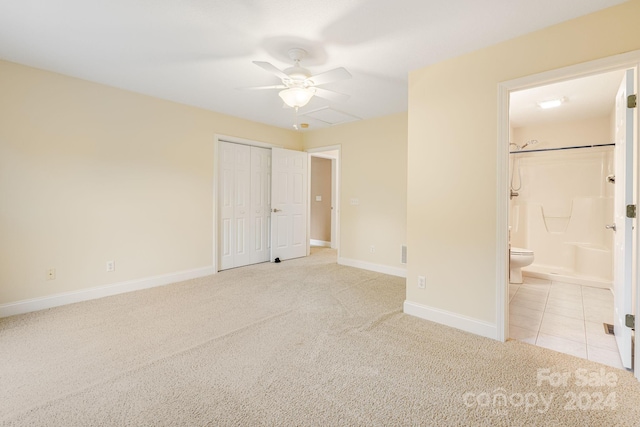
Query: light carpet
305, 342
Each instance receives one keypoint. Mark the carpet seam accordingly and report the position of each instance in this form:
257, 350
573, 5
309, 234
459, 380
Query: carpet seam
145, 365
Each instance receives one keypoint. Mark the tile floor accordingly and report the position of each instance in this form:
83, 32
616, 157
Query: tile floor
564, 317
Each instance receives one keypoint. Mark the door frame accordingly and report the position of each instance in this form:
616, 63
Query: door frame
335, 191
612, 63
236, 140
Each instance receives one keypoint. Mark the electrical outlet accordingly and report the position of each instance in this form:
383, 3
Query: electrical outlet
422, 282
111, 266
51, 274
372, 249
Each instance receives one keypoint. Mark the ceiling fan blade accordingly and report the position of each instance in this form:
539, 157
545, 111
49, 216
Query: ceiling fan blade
272, 69
330, 76
263, 87
330, 95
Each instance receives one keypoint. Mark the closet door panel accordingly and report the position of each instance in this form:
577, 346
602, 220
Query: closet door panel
260, 203
244, 198
226, 187
242, 206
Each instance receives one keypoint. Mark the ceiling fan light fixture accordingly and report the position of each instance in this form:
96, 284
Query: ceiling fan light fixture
296, 96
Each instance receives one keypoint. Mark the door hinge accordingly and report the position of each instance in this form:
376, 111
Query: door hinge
631, 101
631, 211
630, 321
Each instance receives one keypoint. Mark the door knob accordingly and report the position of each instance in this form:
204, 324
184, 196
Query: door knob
610, 227
276, 210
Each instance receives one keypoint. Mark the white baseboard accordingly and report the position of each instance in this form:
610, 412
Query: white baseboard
35, 304
322, 243
378, 268
454, 320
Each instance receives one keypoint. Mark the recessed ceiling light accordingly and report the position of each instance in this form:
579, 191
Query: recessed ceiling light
551, 103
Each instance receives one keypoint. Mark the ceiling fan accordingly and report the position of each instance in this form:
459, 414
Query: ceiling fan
299, 85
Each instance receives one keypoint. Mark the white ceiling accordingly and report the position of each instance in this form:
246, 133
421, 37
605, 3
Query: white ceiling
198, 52
584, 98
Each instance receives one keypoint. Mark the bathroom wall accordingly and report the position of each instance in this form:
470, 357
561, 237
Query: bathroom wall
594, 130
565, 200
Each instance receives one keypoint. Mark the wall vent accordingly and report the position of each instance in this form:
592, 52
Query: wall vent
404, 254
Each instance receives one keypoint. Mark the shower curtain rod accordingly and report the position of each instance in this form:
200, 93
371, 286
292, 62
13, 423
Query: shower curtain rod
562, 148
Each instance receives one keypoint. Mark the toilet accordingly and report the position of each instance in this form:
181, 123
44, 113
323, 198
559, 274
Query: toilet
518, 258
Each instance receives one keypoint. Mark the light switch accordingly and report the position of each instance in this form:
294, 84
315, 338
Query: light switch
354, 202
318, 198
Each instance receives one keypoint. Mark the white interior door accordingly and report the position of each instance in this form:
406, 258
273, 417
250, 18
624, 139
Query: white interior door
235, 202
289, 204
623, 250
226, 162
260, 204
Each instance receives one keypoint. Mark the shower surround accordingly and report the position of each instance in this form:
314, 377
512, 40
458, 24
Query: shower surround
564, 203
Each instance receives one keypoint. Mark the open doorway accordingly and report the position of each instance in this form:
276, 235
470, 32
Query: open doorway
565, 182
561, 198
321, 201
324, 200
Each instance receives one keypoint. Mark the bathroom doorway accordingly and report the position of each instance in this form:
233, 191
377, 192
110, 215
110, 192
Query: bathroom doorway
561, 179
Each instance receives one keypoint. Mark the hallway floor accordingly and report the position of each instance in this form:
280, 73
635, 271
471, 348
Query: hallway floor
564, 317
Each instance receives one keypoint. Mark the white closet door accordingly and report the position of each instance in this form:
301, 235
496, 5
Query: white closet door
226, 185
235, 205
289, 192
260, 204
248, 231
243, 206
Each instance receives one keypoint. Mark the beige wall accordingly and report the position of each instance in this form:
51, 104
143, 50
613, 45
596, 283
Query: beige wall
452, 157
373, 170
320, 211
89, 173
